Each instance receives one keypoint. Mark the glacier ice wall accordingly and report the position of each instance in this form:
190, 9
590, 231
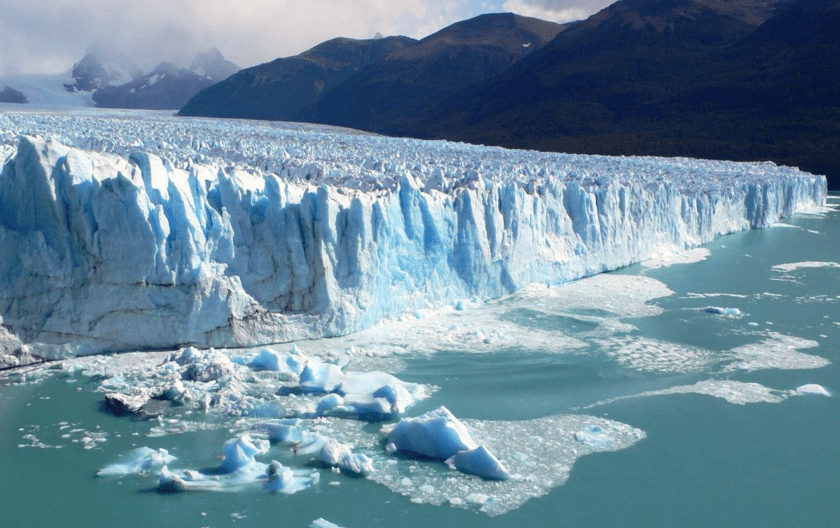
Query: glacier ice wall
121, 249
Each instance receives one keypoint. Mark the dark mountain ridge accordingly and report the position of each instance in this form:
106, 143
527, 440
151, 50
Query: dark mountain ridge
699, 78
280, 89
721, 79
390, 96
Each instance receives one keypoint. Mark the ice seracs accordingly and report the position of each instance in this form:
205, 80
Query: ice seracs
229, 238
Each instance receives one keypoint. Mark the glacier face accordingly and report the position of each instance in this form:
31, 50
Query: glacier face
130, 231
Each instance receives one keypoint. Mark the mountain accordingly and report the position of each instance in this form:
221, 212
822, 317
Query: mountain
100, 67
167, 86
10, 95
213, 66
630, 53
389, 96
280, 89
381, 85
742, 80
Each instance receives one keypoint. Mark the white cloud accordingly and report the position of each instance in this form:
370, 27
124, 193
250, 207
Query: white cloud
545, 10
50, 35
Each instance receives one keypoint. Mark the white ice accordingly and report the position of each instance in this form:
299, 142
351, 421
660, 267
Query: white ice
239, 470
140, 460
140, 231
720, 310
436, 434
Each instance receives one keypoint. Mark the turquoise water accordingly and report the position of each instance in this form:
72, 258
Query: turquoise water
704, 461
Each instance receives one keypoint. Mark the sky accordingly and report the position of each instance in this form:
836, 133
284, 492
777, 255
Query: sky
49, 36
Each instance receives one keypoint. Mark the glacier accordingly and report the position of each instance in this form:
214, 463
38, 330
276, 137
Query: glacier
141, 231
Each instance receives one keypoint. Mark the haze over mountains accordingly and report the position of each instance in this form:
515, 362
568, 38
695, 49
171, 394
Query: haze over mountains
726, 79
109, 80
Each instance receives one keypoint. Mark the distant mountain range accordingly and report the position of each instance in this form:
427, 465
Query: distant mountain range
726, 79
104, 79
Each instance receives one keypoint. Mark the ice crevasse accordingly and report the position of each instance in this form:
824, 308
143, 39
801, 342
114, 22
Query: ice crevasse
110, 252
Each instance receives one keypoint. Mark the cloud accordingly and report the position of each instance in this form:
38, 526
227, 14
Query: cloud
546, 10
48, 36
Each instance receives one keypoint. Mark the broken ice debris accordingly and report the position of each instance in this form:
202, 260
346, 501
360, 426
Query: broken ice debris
440, 435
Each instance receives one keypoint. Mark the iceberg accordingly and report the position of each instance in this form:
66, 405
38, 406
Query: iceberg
151, 233
239, 470
140, 460
479, 461
436, 434
440, 435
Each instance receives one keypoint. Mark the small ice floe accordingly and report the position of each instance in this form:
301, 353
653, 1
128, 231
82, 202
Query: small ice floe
131, 403
776, 351
336, 454
288, 366
479, 461
287, 430
812, 388
440, 435
370, 395
594, 436
239, 470
240, 452
140, 460
281, 479
323, 523
719, 310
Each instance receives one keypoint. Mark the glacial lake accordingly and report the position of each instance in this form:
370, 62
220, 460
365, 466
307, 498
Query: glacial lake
712, 368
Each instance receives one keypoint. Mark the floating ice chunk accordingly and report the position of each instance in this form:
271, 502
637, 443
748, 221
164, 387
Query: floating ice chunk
777, 351
372, 395
288, 430
311, 444
594, 436
735, 392
337, 454
131, 403
239, 470
281, 479
812, 388
436, 434
288, 366
204, 365
670, 258
189, 480
731, 312
328, 403
114, 383
139, 460
240, 452
479, 461
318, 377
322, 523
793, 266
174, 391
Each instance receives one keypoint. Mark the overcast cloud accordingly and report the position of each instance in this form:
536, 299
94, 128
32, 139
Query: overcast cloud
49, 36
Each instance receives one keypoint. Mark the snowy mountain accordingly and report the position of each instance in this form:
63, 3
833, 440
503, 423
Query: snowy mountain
167, 86
100, 68
167, 231
114, 81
